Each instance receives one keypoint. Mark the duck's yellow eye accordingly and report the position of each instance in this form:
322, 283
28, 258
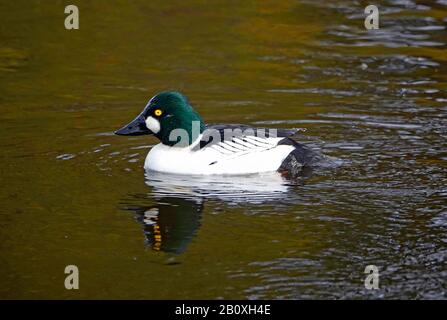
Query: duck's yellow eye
158, 112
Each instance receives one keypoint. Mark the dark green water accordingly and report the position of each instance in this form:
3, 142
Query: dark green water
72, 193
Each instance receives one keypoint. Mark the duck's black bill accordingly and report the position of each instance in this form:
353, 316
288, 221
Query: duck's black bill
136, 128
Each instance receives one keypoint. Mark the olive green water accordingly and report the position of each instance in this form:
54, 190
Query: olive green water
72, 193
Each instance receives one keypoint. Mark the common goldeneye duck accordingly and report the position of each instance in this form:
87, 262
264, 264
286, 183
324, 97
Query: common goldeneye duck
188, 146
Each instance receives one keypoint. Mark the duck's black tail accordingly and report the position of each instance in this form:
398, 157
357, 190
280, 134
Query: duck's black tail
303, 156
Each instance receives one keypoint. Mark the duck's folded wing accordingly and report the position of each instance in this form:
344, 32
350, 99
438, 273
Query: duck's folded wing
235, 139
248, 130
223, 133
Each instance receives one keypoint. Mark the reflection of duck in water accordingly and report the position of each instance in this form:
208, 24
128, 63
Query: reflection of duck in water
254, 189
169, 225
172, 222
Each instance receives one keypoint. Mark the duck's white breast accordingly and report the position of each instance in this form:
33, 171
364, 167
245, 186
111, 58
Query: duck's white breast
216, 160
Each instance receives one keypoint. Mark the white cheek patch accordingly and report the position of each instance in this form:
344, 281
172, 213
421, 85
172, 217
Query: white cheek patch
153, 124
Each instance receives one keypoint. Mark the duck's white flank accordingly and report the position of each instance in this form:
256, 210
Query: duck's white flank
250, 155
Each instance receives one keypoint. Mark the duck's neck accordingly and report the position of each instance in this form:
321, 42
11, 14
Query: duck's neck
186, 135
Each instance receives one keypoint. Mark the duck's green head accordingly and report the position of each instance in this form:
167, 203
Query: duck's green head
169, 117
